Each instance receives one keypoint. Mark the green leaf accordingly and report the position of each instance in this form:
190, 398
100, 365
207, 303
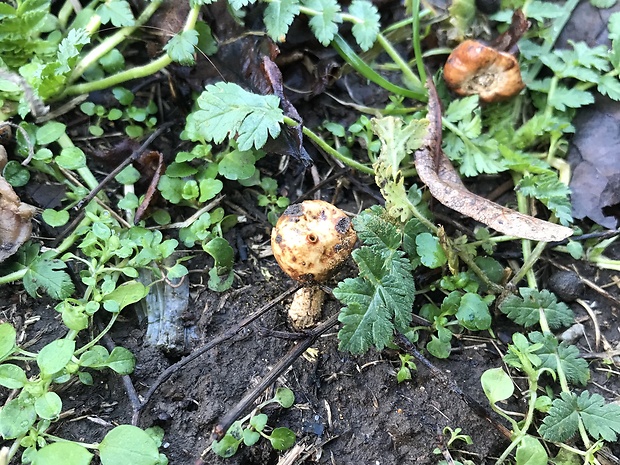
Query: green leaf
553, 193
497, 385
374, 227
48, 406
67, 453
378, 300
182, 47
438, 348
282, 438
564, 97
71, 158
526, 310
226, 447
128, 444
430, 251
551, 353
127, 293
610, 86
227, 110
531, 452
279, 15
121, 360
50, 132
366, 27
54, 356
117, 12
397, 141
16, 418
324, 24
12, 376
601, 420
55, 218
284, 397
237, 165
259, 421
8, 338
473, 312
250, 437
16, 174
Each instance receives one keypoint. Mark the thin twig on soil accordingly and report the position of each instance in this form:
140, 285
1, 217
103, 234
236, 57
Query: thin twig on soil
220, 429
212, 343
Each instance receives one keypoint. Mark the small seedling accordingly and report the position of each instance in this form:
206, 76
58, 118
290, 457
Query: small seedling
249, 429
406, 365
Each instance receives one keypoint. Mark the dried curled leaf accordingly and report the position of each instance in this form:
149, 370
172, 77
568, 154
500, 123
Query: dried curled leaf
15, 216
444, 183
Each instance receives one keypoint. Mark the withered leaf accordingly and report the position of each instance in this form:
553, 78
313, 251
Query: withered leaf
444, 183
15, 217
156, 159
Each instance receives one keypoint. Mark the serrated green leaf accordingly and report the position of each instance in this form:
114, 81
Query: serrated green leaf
46, 272
375, 227
553, 193
378, 300
574, 367
564, 97
601, 420
397, 141
182, 46
324, 24
227, 110
279, 15
525, 310
366, 27
117, 12
610, 86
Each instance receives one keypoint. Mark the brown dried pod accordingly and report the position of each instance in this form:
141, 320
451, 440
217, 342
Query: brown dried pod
475, 68
311, 239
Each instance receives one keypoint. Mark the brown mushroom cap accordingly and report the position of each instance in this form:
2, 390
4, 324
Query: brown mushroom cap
311, 239
475, 68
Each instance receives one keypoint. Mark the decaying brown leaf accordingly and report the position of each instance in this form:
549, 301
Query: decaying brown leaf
156, 161
15, 217
444, 183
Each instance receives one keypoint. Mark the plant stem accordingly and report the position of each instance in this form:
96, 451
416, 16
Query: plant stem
109, 43
359, 65
99, 336
402, 64
133, 73
417, 48
329, 149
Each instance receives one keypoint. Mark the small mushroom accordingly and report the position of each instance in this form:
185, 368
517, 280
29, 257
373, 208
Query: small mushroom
310, 241
475, 68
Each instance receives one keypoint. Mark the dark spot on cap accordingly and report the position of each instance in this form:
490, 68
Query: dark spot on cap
323, 215
343, 225
294, 210
278, 238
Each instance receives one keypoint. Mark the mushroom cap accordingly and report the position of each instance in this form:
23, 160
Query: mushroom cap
311, 239
475, 68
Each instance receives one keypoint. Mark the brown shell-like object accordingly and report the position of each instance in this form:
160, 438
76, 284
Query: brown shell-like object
311, 239
475, 68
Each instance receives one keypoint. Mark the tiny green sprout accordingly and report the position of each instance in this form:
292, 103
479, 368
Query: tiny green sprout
406, 365
253, 426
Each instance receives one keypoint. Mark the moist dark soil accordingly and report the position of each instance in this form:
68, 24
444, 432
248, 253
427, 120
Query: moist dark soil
348, 409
